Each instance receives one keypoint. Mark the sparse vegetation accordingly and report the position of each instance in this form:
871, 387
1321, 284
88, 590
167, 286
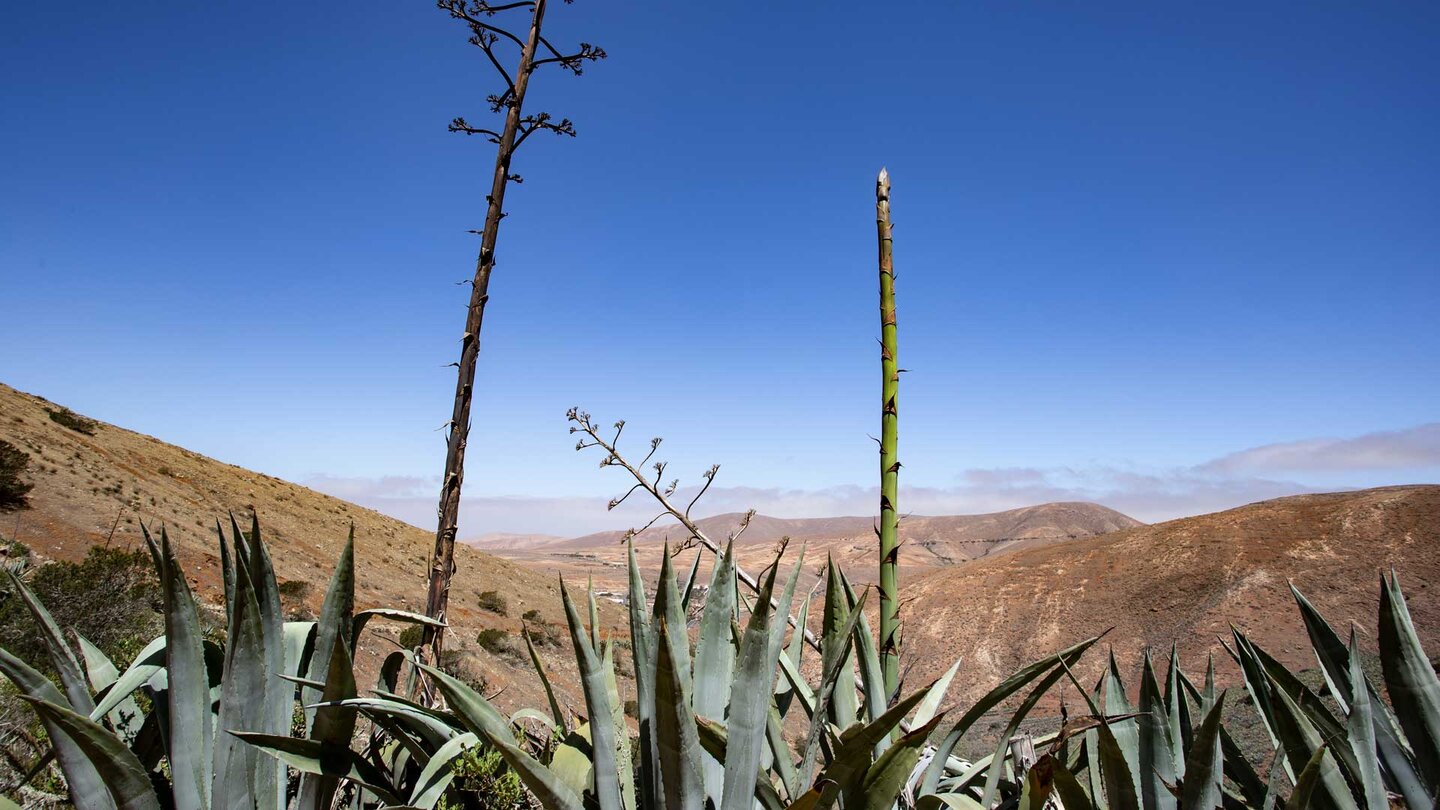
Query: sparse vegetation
493, 602
68, 418
14, 489
494, 640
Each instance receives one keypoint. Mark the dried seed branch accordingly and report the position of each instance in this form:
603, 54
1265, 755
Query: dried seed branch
584, 424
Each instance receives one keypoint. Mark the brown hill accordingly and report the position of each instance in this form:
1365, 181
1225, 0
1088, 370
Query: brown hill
85, 485
1185, 581
926, 542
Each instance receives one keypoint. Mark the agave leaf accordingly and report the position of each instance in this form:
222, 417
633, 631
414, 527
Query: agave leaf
1204, 771
1328, 726
556, 713
597, 708
997, 759
623, 758
123, 775
690, 580
834, 659
571, 760
715, 661
790, 676
854, 756
1410, 679
1019, 680
1177, 714
680, 761
780, 757
750, 696
422, 723
642, 649
1302, 743
794, 653
1072, 795
1360, 724
279, 697
1127, 731
1310, 785
333, 725
886, 777
484, 720
842, 707
242, 696
867, 655
950, 801
72, 677
437, 775
150, 660
1039, 784
714, 739
126, 717
322, 759
1115, 771
191, 734
936, 693
84, 780
1157, 751
335, 621
1397, 765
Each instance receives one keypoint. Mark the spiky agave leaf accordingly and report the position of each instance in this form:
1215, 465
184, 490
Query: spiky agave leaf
751, 694
1157, 751
597, 707
1410, 680
1047, 669
192, 731
715, 660
122, 774
84, 780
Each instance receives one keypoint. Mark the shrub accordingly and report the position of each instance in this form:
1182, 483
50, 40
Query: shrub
111, 597
68, 418
494, 602
533, 616
411, 636
14, 491
483, 772
542, 634
294, 589
494, 640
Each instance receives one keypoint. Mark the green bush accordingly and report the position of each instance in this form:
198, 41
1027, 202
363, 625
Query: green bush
68, 418
111, 597
494, 602
494, 640
294, 589
533, 616
482, 772
411, 636
14, 490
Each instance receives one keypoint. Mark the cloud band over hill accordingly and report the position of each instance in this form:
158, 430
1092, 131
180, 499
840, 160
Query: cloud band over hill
1237, 478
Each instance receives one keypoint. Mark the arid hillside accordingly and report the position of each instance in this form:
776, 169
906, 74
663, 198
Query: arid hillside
85, 485
1185, 581
926, 542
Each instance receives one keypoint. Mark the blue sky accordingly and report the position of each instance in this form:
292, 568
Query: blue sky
1133, 241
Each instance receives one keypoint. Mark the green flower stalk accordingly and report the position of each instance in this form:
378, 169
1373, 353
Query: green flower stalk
889, 465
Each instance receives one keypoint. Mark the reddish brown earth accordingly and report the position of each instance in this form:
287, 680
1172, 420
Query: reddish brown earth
81, 483
1183, 582
926, 542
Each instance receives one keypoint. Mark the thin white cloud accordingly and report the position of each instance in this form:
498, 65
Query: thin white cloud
1413, 448
1235, 479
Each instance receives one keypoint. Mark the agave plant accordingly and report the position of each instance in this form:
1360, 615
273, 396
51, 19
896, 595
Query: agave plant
179, 752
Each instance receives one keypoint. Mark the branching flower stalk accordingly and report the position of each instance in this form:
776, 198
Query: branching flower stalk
661, 492
536, 51
888, 530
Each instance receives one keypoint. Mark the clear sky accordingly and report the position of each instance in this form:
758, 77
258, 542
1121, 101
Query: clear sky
1171, 258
